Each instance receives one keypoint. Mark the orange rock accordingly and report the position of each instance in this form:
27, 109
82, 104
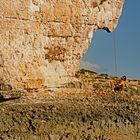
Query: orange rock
42, 42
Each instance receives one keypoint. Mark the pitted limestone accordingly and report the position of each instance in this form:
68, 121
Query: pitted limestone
43, 41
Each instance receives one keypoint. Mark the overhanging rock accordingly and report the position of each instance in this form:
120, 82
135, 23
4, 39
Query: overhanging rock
43, 41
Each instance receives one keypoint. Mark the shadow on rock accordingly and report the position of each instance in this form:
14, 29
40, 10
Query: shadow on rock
2, 99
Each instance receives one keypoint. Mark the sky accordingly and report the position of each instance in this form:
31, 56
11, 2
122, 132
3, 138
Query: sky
127, 45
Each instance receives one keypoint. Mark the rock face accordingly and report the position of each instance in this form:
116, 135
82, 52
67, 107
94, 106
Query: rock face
43, 41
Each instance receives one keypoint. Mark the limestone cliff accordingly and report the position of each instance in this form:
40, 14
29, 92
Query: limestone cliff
43, 41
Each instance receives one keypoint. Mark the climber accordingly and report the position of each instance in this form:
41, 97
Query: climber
119, 85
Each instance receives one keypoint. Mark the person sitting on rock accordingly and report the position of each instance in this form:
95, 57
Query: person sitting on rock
119, 85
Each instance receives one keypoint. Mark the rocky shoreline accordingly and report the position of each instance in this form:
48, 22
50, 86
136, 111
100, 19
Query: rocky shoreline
72, 113
76, 117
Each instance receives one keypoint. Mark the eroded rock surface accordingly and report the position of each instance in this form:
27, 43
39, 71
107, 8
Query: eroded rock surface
43, 41
89, 113
70, 118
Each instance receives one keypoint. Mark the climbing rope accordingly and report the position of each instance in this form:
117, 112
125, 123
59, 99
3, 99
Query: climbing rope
115, 54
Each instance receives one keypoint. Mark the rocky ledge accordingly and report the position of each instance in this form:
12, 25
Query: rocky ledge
88, 112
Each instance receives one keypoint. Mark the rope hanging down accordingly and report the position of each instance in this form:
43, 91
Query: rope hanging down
115, 54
